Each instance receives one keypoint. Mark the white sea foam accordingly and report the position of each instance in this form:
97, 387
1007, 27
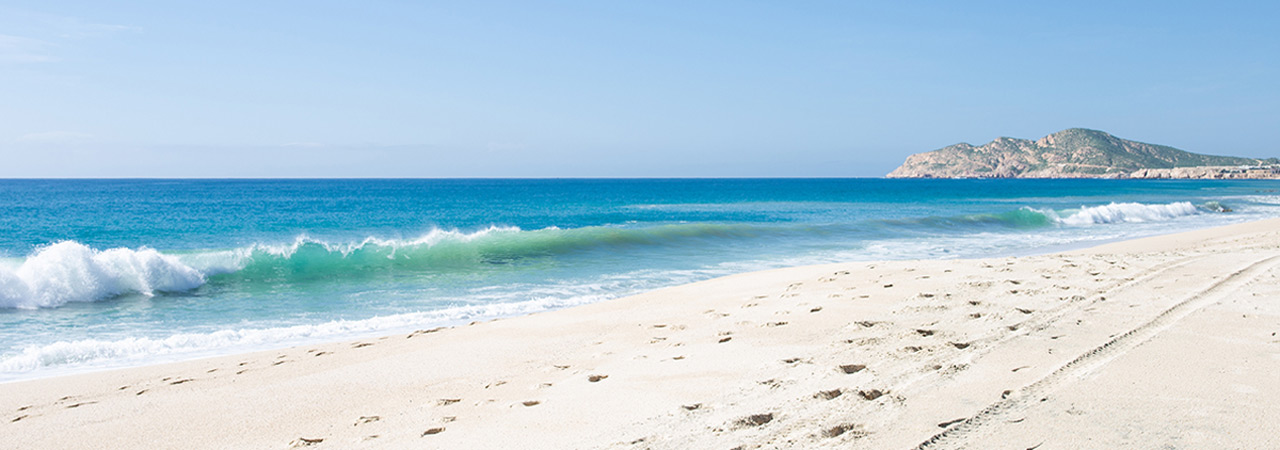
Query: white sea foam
132, 351
433, 237
72, 272
1125, 213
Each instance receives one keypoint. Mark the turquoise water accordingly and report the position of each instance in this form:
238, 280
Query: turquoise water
112, 273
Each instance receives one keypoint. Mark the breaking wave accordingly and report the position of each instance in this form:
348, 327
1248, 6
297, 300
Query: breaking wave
1128, 213
69, 271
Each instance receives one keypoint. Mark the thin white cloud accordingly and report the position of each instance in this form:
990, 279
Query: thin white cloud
18, 49
54, 137
41, 35
74, 28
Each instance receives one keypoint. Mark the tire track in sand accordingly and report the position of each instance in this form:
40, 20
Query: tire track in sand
956, 435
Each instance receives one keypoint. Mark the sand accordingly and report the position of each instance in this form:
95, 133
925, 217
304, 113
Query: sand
1163, 342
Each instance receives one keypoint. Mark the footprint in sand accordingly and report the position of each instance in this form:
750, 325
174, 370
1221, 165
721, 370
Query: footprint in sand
828, 395
691, 407
531, 403
871, 394
925, 333
863, 342
361, 344
852, 368
755, 420
841, 429
449, 401
596, 378
422, 332
431, 431
305, 442
367, 419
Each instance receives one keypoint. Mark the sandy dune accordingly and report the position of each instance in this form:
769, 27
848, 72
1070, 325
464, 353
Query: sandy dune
1165, 342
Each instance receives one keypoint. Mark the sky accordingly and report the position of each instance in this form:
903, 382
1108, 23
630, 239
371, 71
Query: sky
612, 88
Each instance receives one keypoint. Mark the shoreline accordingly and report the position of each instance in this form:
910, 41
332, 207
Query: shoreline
813, 356
180, 357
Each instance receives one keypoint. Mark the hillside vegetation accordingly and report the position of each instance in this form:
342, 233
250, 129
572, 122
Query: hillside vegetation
1072, 153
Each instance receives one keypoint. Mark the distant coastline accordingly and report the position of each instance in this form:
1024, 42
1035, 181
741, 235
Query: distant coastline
1080, 153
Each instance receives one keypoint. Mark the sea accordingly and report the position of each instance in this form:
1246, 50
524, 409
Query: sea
102, 274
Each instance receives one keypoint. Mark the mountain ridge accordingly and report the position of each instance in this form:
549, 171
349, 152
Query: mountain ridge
1074, 153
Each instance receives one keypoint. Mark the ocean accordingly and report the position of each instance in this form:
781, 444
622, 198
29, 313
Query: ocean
98, 274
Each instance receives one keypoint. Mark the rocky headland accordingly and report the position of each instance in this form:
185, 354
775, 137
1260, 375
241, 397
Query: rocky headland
1079, 153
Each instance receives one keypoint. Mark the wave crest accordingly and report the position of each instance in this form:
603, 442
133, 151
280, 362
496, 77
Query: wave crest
442, 250
1125, 213
69, 271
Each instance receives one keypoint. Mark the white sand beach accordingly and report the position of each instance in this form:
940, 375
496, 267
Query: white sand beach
1162, 342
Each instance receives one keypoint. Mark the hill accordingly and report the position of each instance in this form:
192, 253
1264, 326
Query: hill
1073, 153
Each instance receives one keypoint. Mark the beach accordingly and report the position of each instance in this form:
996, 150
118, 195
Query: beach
1159, 342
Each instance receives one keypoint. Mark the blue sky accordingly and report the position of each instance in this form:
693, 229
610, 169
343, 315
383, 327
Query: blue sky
601, 88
